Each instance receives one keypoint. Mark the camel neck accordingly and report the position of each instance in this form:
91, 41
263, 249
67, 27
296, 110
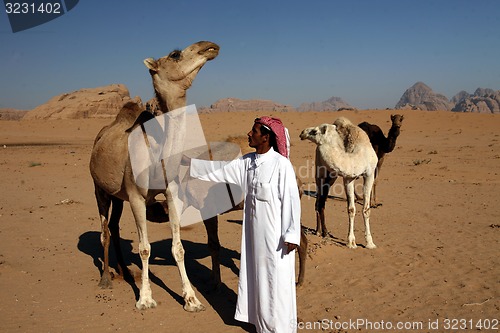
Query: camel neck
167, 103
391, 138
169, 96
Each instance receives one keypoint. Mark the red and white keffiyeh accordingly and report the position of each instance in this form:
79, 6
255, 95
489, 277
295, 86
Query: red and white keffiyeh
280, 131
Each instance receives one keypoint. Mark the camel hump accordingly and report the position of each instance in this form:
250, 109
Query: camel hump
364, 124
369, 128
351, 134
128, 114
143, 117
374, 132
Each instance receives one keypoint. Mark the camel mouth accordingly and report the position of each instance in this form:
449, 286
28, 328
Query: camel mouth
304, 135
210, 51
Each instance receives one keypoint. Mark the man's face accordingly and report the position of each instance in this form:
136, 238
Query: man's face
255, 137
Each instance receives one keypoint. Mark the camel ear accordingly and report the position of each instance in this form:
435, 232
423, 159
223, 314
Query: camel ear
151, 64
324, 129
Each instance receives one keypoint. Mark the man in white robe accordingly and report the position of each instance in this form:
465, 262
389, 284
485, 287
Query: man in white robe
271, 227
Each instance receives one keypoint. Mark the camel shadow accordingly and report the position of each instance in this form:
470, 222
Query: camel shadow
330, 237
239, 222
90, 244
222, 299
314, 194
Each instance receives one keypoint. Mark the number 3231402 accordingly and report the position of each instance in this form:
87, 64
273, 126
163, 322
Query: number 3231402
461, 324
32, 8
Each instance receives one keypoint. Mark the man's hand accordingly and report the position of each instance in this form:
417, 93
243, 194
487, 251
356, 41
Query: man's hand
290, 247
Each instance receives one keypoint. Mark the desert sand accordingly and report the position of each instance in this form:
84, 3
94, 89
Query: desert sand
437, 264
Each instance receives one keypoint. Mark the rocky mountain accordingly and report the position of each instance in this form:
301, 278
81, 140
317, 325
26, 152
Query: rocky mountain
84, 103
235, 104
108, 100
459, 97
331, 104
421, 97
483, 100
11, 114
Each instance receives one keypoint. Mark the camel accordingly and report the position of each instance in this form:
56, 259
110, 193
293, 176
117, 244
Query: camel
382, 145
114, 182
344, 150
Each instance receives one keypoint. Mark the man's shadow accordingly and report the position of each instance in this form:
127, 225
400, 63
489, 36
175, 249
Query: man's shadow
222, 300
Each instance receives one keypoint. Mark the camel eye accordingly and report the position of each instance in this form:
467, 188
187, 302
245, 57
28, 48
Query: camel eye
175, 55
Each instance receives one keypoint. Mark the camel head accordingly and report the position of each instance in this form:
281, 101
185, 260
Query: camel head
173, 75
322, 134
397, 120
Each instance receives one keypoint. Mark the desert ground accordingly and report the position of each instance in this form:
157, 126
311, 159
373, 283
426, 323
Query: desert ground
436, 268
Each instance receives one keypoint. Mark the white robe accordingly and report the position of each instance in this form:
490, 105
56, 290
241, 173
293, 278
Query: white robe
266, 288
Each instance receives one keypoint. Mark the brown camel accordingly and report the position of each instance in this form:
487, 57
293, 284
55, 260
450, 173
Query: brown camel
382, 145
114, 182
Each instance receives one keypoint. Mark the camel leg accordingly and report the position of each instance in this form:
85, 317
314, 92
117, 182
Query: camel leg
367, 188
358, 196
214, 247
351, 208
323, 188
320, 219
302, 250
103, 204
114, 228
374, 202
138, 205
320, 206
192, 304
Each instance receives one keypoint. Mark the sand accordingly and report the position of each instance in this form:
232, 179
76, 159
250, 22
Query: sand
437, 264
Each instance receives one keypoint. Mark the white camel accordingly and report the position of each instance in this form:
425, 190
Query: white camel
110, 167
344, 150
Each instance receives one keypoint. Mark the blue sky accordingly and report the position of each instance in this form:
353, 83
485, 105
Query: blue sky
366, 52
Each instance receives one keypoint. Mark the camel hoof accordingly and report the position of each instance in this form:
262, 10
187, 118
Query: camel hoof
371, 246
146, 303
194, 306
352, 245
105, 282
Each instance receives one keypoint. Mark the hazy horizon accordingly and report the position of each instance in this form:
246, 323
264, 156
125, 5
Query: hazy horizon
365, 52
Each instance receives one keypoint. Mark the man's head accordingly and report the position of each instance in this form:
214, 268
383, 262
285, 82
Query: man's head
270, 132
261, 138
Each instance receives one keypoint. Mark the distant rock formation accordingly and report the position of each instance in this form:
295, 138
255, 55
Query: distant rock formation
11, 114
484, 100
235, 104
459, 97
331, 104
421, 97
484, 92
101, 102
